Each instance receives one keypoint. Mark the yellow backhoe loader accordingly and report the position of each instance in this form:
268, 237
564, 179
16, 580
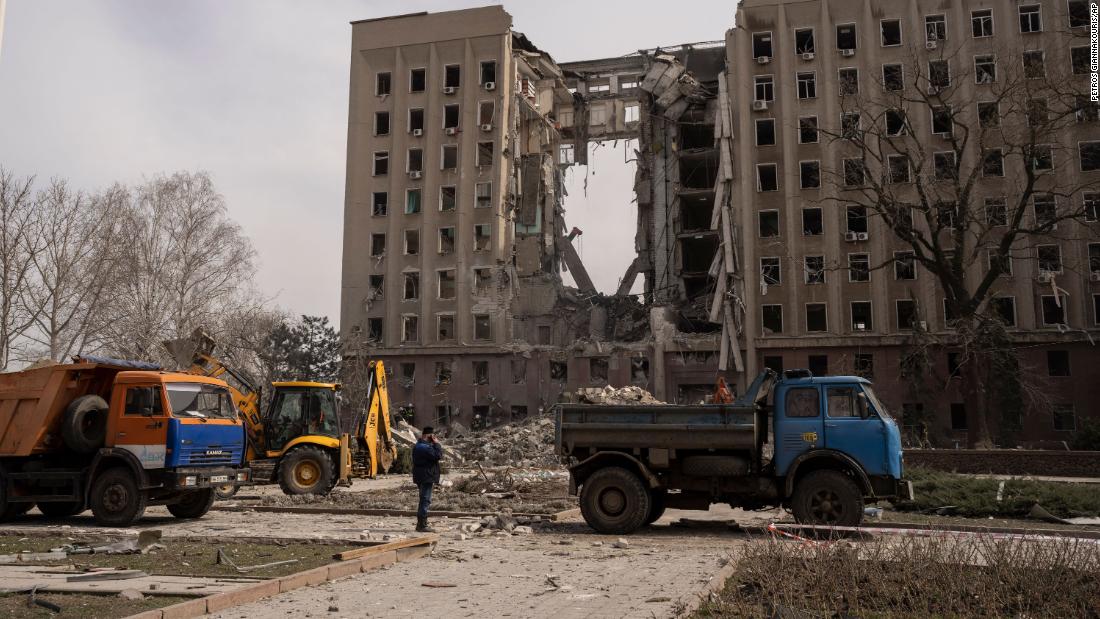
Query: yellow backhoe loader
298, 443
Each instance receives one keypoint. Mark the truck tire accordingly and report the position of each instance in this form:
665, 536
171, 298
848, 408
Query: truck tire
615, 501
306, 470
194, 504
61, 509
116, 499
827, 498
715, 466
84, 426
656, 505
225, 491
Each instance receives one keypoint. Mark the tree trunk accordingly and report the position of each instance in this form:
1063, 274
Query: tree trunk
977, 400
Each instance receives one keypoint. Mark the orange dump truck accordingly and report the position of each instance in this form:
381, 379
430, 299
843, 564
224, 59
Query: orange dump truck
115, 436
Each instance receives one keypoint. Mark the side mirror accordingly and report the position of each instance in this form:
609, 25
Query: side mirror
864, 407
147, 411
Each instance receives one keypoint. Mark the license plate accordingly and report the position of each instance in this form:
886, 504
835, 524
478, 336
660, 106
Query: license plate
219, 479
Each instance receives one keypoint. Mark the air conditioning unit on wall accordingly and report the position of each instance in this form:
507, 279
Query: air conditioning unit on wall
489, 85
930, 45
850, 237
759, 106
417, 132
414, 174
451, 131
449, 90
847, 53
763, 59
808, 56
1094, 276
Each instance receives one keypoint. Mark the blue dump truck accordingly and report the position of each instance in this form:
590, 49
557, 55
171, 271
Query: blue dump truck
820, 446
115, 436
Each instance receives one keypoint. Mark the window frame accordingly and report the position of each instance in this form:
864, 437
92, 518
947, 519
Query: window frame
882, 32
767, 86
942, 22
807, 273
760, 184
841, 82
1038, 15
778, 280
816, 130
912, 262
806, 316
802, 173
851, 271
811, 84
870, 327
756, 131
973, 19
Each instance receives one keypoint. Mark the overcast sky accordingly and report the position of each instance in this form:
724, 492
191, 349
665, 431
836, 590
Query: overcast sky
256, 93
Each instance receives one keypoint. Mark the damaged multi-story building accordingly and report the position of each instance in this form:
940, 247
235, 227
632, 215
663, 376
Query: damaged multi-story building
455, 237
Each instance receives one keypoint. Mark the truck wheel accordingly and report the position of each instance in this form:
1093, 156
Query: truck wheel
306, 470
61, 509
84, 426
116, 499
225, 491
614, 501
194, 504
656, 505
827, 498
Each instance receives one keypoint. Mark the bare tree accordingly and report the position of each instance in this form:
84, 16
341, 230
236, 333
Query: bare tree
972, 165
18, 249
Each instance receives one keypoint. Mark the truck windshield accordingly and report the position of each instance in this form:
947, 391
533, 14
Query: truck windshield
199, 400
879, 406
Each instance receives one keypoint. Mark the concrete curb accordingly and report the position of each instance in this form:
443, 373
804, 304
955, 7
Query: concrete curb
716, 582
358, 511
378, 556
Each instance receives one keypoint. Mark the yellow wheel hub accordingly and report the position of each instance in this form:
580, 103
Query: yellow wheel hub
307, 473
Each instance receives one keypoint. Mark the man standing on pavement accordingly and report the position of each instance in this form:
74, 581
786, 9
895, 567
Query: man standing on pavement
425, 460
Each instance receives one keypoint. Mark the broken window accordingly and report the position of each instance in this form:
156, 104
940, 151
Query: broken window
1037, 112
906, 313
639, 369
416, 119
483, 329
1031, 19
566, 154
378, 244
443, 414
861, 316
374, 329
1001, 262
416, 160
864, 365
447, 198
381, 123
958, 416
449, 159
846, 36
1091, 203
631, 113
807, 85
905, 265
935, 28
1034, 64
891, 32
481, 375
382, 83
1004, 309
989, 114
764, 88
1065, 418
543, 334
412, 242
849, 124
450, 116
1094, 257
985, 69
947, 214
447, 240
895, 123
816, 321
804, 41
849, 81
597, 369
942, 120
774, 363
1046, 210
996, 212
1080, 60
628, 83
559, 371
812, 224
1078, 13
855, 218
899, 168
452, 76
412, 285
483, 281
814, 267
597, 116
1050, 258
519, 370
765, 132
598, 87
417, 79
518, 412
1085, 109
445, 327
939, 74
408, 373
767, 177
485, 112
771, 318
446, 283
854, 172
483, 195
993, 163
481, 237
893, 77
488, 72
410, 328
442, 372
770, 271
943, 165
807, 130
761, 45
381, 163
859, 267
484, 154
1053, 310
981, 23
412, 201
809, 174
379, 203
1090, 156
1058, 363
1041, 156
769, 224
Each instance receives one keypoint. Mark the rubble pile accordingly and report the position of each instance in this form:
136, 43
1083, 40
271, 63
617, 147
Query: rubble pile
526, 444
619, 397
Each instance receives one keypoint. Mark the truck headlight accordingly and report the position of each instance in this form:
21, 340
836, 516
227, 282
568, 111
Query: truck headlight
190, 480
242, 476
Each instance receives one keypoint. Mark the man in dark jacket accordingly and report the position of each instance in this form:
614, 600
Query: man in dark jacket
426, 455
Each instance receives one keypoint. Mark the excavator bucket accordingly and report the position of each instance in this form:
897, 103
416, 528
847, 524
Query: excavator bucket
188, 351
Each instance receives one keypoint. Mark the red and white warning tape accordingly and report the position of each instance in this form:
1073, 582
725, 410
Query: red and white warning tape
778, 529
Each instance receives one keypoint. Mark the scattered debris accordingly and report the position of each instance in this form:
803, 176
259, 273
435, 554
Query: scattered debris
33, 601
629, 395
437, 585
622, 542
223, 559
107, 574
525, 444
131, 594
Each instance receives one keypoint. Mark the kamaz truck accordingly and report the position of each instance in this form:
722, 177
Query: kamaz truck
115, 436
820, 446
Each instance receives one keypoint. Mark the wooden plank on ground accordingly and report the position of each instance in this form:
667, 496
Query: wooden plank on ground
422, 540
359, 511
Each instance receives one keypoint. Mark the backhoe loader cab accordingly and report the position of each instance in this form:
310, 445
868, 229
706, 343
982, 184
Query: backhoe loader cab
301, 408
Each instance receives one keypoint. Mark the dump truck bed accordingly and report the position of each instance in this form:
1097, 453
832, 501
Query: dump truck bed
32, 403
665, 426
